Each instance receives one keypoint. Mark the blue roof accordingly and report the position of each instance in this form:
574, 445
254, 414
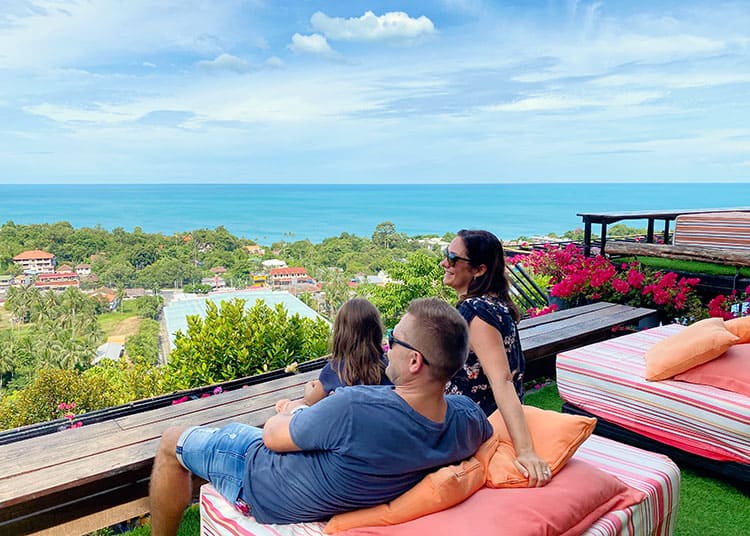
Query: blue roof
176, 313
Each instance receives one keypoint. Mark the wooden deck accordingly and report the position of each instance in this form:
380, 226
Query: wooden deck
76, 481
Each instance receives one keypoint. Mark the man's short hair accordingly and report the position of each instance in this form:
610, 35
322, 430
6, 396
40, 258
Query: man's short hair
442, 334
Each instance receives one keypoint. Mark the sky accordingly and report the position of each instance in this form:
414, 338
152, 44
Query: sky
440, 91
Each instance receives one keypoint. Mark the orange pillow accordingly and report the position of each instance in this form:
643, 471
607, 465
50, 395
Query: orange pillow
730, 371
556, 437
740, 327
437, 491
696, 344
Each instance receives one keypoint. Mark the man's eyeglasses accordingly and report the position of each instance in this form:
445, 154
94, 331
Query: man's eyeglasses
453, 258
393, 341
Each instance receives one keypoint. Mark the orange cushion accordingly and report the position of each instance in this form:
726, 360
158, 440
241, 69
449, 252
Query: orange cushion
578, 496
740, 327
730, 371
556, 437
696, 344
437, 491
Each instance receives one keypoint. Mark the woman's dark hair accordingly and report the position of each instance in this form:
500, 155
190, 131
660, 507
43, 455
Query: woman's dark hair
357, 353
483, 247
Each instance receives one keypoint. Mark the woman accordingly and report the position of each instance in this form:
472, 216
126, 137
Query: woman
474, 266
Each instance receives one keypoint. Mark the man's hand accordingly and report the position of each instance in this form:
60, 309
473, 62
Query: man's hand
286, 406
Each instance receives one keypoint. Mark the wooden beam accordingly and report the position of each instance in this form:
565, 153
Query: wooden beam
687, 253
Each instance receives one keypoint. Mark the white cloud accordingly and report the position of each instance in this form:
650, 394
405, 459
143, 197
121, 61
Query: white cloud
94, 113
675, 80
73, 33
564, 102
274, 62
310, 44
370, 27
226, 62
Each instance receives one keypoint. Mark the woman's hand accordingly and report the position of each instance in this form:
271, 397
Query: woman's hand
536, 469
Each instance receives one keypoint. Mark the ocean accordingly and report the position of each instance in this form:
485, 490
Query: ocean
268, 213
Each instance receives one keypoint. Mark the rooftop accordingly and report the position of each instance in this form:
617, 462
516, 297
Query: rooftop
33, 254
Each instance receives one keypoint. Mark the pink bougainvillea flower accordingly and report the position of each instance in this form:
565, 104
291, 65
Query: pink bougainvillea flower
623, 287
218, 390
179, 400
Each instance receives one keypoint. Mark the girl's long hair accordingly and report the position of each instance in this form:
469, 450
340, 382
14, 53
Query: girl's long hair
357, 353
483, 247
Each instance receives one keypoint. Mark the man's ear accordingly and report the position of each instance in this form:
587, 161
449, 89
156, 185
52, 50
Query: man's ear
413, 361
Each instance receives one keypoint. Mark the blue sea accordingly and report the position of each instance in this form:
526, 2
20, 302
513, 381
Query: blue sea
268, 213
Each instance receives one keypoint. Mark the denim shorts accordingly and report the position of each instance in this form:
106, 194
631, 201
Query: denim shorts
218, 455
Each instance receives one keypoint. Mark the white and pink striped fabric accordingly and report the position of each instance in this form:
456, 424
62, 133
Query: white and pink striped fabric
606, 379
729, 230
655, 475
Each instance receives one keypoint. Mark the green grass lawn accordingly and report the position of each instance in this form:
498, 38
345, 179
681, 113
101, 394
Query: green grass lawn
108, 321
659, 263
707, 506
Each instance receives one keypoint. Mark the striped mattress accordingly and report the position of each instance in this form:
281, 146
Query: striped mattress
606, 379
729, 230
655, 475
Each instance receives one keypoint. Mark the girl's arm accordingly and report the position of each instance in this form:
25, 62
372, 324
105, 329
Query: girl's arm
314, 392
487, 344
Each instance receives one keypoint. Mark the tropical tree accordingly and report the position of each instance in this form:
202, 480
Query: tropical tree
384, 234
419, 276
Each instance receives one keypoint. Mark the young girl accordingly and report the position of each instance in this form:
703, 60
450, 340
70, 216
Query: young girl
357, 355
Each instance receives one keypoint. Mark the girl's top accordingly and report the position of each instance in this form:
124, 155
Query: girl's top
330, 380
471, 380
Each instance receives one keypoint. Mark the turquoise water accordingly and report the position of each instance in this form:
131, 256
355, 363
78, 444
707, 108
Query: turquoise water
268, 213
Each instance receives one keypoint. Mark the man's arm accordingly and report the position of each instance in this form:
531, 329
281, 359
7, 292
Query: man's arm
276, 434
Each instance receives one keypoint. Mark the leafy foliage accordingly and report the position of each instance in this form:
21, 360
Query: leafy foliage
143, 347
149, 306
418, 276
39, 402
232, 341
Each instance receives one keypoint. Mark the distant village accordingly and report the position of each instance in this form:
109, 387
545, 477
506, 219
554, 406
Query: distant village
40, 270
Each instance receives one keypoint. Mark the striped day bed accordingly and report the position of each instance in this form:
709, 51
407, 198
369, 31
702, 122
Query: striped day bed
655, 477
726, 230
694, 423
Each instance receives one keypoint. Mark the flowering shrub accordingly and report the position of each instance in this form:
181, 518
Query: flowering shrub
539, 311
732, 306
578, 279
66, 409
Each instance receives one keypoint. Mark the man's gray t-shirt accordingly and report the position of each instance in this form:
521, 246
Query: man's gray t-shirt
362, 446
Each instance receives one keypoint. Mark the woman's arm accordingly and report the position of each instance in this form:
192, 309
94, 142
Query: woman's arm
487, 344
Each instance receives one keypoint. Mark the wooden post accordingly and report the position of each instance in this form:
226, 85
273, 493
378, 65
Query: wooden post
650, 231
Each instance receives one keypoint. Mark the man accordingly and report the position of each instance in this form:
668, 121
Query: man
363, 446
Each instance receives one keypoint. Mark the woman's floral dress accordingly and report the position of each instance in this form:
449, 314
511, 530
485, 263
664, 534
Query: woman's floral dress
471, 380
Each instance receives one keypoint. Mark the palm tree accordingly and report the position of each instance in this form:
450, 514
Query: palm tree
7, 363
